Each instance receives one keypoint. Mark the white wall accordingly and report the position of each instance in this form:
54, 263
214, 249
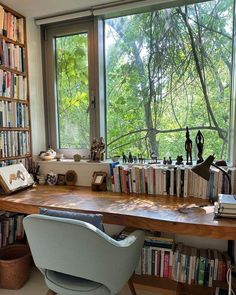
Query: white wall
36, 87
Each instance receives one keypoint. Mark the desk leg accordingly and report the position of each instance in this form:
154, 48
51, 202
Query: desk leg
131, 286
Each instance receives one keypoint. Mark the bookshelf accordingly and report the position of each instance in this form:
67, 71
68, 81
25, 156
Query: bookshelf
15, 127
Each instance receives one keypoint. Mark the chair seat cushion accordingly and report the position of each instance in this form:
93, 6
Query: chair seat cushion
65, 284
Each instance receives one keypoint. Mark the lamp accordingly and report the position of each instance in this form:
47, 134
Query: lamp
203, 169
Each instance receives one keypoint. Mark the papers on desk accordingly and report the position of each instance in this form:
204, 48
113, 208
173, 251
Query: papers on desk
193, 208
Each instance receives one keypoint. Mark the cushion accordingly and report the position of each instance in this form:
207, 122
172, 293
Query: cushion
94, 219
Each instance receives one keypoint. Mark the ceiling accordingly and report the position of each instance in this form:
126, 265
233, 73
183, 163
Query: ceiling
43, 8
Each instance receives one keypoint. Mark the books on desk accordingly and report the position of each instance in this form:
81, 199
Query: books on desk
226, 206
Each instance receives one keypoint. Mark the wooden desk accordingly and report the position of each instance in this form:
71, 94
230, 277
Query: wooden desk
158, 213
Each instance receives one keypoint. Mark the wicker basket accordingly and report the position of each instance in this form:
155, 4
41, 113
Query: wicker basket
15, 266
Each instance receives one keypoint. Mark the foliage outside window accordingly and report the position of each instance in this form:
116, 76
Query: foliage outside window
72, 90
166, 70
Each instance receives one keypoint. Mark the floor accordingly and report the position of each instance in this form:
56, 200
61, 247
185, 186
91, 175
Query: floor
36, 286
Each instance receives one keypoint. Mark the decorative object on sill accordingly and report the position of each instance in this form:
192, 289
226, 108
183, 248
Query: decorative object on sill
59, 156
164, 161
48, 155
99, 182
124, 157
179, 160
51, 178
141, 160
70, 177
199, 143
153, 158
61, 179
77, 157
169, 161
97, 150
34, 171
188, 148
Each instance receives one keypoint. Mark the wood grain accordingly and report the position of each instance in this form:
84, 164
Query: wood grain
140, 211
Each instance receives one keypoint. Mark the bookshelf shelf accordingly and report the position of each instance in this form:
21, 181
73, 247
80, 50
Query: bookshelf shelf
11, 41
15, 158
12, 71
15, 125
14, 99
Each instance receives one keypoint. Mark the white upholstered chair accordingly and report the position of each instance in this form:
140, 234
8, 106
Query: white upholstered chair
77, 258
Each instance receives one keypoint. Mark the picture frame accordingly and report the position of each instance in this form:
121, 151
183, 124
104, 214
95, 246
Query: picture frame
14, 177
99, 181
61, 179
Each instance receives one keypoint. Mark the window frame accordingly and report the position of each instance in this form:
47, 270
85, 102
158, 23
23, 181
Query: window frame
49, 32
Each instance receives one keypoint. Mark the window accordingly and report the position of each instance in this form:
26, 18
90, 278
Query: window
69, 71
164, 70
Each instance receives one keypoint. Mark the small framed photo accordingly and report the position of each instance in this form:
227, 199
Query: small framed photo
61, 179
99, 181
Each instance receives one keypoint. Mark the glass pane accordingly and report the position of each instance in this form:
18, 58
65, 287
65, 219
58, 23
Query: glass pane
72, 90
166, 70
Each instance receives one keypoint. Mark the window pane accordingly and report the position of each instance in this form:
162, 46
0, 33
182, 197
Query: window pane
72, 90
166, 70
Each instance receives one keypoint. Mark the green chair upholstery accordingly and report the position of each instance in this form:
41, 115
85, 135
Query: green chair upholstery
77, 258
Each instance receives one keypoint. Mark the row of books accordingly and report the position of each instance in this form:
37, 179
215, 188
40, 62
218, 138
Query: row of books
12, 56
11, 228
11, 26
14, 143
25, 161
162, 258
14, 114
13, 85
177, 181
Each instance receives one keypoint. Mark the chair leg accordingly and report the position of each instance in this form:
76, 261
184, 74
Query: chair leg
131, 286
50, 292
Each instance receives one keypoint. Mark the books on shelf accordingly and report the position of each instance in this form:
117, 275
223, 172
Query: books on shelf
177, 181
11, 228
162, 258
11, 26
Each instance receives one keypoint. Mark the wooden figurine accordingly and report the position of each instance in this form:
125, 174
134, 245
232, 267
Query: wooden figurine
188, 148
199, 143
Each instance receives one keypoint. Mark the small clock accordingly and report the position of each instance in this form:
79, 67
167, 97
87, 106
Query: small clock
70, 177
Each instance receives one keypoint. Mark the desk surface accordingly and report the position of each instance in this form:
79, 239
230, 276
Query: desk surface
141, 211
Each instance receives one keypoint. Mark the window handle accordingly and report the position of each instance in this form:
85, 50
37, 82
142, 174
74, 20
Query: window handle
91, 104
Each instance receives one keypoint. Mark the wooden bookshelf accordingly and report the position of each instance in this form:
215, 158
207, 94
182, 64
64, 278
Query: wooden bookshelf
15, 121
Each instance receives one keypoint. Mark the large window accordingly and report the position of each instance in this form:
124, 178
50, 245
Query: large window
166, 70
163, 70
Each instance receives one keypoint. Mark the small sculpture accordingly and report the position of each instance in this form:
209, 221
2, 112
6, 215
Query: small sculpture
77, 157
130, 158
164, 161
140, 158
179, 160
169, 161
97, 150
153, 157
199, 142
93, 150
188, 148
124, 157
101, 149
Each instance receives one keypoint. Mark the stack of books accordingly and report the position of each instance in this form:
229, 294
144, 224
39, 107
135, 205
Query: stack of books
226, 206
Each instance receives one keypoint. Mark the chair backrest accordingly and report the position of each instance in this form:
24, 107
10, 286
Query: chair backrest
77, 248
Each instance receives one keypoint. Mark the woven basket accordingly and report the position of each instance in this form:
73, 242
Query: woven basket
15, 266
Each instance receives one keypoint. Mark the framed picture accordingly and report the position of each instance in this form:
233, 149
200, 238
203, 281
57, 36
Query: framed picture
61, 179
14, 177
99, 181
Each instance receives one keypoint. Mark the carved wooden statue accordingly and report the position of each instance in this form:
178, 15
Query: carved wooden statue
199, 142
188, 148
